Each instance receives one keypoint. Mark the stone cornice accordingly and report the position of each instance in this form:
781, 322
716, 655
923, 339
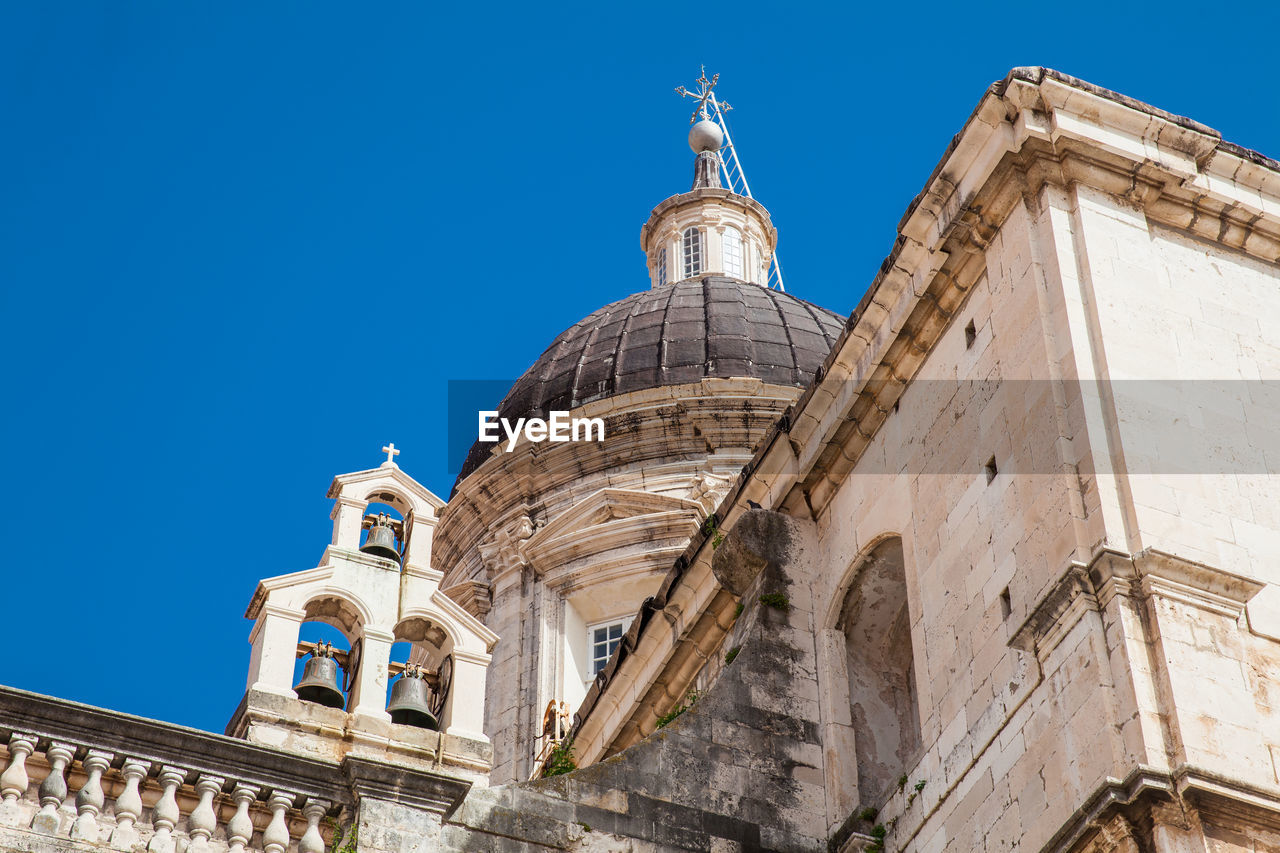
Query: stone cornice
416, 788
699, 196
395, 474
501, 490
324, 570
1150, 574
1147, 789
472, 595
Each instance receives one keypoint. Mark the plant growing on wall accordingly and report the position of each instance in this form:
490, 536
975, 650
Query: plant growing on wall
560, 760
339, 832
776, 600
676, 712
711, 527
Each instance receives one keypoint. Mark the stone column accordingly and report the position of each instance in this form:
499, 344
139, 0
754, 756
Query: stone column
53, 790
275, 838
347, 515
275, 649
165, 815
312, 841
464, 707
14, 780
422, 530
204, 819
89, 800
240, 827
129, 804
369, 694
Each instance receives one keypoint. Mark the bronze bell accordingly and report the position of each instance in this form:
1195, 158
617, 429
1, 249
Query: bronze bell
319, 682
381, 541
410, 701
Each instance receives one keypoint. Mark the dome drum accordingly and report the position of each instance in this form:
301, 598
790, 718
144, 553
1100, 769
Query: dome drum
735, 237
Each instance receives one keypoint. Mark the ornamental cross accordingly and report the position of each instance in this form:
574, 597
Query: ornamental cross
703, 95
391, 452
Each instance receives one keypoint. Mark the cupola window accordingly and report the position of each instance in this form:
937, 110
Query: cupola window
604, 641
662, 265
692, 252
733, 252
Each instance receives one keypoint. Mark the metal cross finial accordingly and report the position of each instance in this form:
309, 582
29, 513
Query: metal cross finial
703, 95
391, 452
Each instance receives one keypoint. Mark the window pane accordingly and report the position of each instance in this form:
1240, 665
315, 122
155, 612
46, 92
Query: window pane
732, 253
692, 252
603, 640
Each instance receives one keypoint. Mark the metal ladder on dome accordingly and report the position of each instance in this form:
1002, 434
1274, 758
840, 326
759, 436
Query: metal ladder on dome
736, 179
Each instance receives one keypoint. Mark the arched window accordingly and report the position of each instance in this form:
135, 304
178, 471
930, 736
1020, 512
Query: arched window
883, 703
662, 265
692, 252
732, 252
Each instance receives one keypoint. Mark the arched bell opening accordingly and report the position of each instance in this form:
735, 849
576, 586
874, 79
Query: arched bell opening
319, 673
422, 666
383, 528
325, 669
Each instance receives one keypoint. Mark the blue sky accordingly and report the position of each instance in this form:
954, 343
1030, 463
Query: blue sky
244, 245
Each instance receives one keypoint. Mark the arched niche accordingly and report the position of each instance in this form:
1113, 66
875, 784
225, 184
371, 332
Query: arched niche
429, 638
426, 642
873, 622
390, 497
339, 611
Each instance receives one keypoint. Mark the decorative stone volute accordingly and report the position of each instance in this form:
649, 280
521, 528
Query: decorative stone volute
505, 549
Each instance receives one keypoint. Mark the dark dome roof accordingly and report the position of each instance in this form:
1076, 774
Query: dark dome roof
671, 335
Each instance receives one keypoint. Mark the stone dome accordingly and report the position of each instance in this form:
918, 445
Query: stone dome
673, 335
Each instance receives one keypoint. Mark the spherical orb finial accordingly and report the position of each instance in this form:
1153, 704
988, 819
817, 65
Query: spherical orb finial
705, 136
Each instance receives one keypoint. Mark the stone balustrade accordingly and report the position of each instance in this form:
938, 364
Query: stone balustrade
75, 777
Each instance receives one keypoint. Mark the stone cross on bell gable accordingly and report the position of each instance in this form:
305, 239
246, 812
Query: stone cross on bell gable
390, 450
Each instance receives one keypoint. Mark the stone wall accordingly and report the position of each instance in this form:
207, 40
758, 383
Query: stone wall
739, 770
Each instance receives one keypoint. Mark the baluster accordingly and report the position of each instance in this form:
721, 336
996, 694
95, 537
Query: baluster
53, 790
14, 781
129, 804
165, 815
89, 800
312, 841
275, 839
204, 820
240, 827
